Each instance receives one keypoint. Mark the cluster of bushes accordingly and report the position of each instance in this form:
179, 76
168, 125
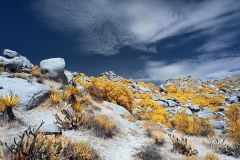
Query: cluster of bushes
101, 125
34, 145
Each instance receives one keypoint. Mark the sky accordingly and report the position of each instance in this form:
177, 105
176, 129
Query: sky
146, 40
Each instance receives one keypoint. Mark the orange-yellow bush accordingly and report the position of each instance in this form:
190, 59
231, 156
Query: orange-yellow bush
205, 90
233, 114
223, 86
36, 71
125, 81
112, 92
171, 89
143, 96
84, 84
157, 114
142, 84
192, 126
181, 96
162, 116
207, 101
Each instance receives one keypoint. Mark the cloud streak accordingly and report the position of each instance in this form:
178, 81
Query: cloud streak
103, 26
205, 66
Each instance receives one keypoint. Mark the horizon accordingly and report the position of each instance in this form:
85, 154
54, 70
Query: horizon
143, 41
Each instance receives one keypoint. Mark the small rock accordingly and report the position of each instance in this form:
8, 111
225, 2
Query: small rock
232, 99
218, 124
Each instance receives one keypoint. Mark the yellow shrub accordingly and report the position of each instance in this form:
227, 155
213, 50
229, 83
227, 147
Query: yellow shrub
9, 100
233, 114
36, 71
192, 126
77, 106
72, 90
125, 81
83, 75
148, 103
202, 100
181, 96
55, 97
142, 84
64, 96
205, 90
157, 114
171, 89
206, 101
223, 86
143, 96
112, 92
84, 84
162, 116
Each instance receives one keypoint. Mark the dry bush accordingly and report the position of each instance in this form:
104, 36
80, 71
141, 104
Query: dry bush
2, 154
129, 117
104, 127
71, 120
34, 145
157, 138
149, 152
211, 156
21, 75
36, 72
192, 126
72, 90
85, 99
181, 146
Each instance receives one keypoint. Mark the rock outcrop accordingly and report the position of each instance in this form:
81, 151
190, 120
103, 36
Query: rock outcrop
15, 62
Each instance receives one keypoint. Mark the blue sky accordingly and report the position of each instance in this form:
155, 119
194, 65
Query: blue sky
149, 40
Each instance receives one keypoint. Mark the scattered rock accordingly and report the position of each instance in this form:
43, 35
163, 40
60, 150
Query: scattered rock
50, 129
232, 99
205, 113
188, 112
194, 108
218, 124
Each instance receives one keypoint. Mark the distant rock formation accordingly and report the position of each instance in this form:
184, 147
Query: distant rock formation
15, 62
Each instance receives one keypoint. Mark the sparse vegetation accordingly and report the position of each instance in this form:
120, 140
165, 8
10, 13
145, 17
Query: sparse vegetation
148, 152
181, 146
7, 102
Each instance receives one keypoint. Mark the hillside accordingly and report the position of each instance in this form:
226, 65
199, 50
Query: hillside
114, 118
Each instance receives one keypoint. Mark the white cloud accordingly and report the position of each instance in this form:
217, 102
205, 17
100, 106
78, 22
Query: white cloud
106, 25
206, 66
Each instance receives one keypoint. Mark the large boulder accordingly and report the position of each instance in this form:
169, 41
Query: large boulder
54, 68
31, 94
15, 62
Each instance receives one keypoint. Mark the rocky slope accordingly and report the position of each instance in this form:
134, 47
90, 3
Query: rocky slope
125, 119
